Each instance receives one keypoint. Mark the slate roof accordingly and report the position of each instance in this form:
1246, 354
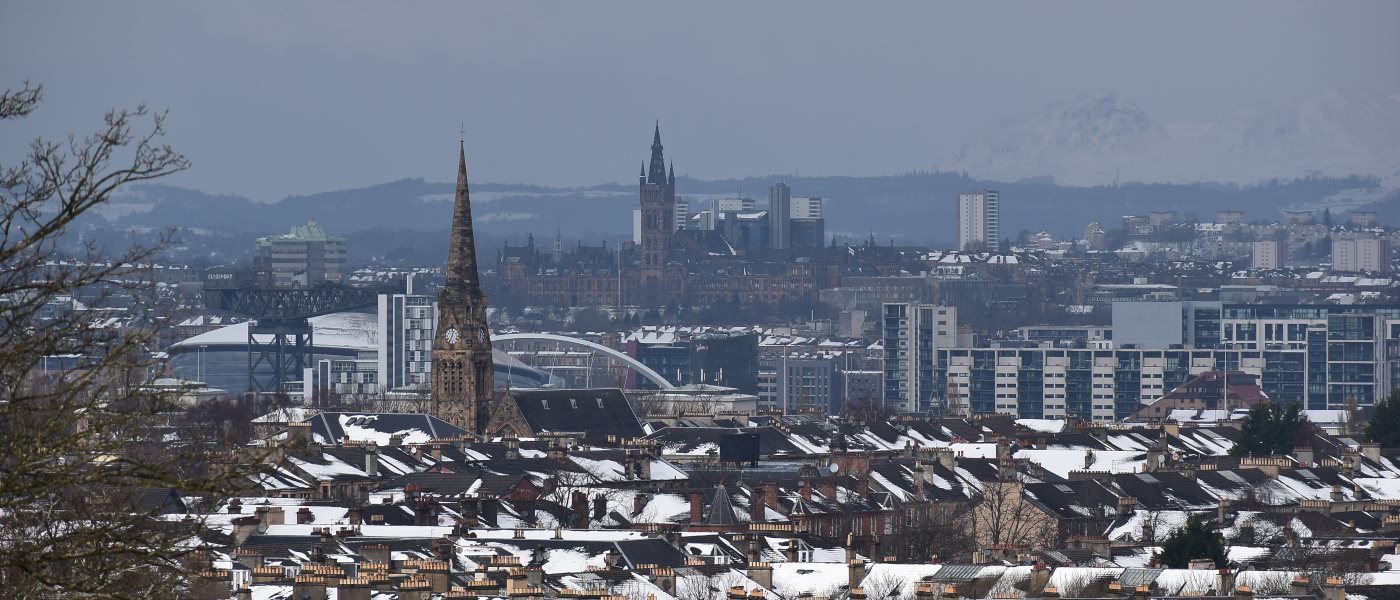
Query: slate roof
597, 413
1073, 499
700, 440
1165, 491
721, 510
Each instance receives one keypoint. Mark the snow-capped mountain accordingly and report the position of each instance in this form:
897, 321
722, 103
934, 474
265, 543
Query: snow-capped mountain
1099, 136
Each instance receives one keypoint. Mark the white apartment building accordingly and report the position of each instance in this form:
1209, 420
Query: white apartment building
979, 218
406, 324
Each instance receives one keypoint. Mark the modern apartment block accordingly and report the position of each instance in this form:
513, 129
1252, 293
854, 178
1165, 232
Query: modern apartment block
912, 334
1354, 255
305, 257
1098, 385
406, 324
1322, 356
979, 219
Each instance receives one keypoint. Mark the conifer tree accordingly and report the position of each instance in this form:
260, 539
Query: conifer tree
1384, 427
1196, 540
1271, 428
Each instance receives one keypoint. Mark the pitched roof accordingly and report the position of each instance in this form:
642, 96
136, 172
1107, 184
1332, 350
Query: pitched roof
597, 413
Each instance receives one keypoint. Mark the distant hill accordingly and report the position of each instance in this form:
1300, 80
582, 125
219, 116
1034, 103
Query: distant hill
913, 208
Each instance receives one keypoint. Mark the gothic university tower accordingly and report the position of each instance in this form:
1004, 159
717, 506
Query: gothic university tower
462, 367
658, 191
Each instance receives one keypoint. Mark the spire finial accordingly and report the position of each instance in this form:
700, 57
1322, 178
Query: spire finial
462, 133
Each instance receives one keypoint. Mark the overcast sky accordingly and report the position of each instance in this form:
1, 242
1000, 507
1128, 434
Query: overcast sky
270, 99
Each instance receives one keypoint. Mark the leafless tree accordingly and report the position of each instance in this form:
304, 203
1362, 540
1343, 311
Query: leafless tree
81, 445
1002, 516
710, 587
939, 532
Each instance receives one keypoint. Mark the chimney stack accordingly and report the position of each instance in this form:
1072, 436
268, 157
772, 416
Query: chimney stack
757, 505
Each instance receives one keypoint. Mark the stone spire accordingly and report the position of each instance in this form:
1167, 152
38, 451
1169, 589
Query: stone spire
672, 180
657, 173
461, 256
462, 375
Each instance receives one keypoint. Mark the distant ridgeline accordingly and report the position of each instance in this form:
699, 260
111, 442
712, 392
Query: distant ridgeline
915, 208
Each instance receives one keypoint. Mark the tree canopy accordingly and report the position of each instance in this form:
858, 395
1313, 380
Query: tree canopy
1272, 428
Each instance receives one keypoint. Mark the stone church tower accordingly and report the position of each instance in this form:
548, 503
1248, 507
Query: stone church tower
463, 379
658, 196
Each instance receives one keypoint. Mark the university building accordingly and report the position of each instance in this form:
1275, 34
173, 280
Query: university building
730, 252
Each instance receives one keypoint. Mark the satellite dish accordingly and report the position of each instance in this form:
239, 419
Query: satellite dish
833, 468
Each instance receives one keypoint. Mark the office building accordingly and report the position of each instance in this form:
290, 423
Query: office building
725, 359
1358, 254
912, 333
779, 216
1270, 255
808, 383
305, 257
807, 234
979, 219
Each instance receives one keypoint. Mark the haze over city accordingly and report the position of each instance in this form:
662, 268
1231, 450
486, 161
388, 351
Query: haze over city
271, 101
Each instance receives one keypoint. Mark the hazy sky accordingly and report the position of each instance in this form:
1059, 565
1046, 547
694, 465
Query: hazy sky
271, 98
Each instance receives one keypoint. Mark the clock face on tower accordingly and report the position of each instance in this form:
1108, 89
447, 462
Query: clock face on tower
452, 335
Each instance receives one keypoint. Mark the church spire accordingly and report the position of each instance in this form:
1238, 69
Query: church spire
672, 179
461, 256
657, 172
462, 373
